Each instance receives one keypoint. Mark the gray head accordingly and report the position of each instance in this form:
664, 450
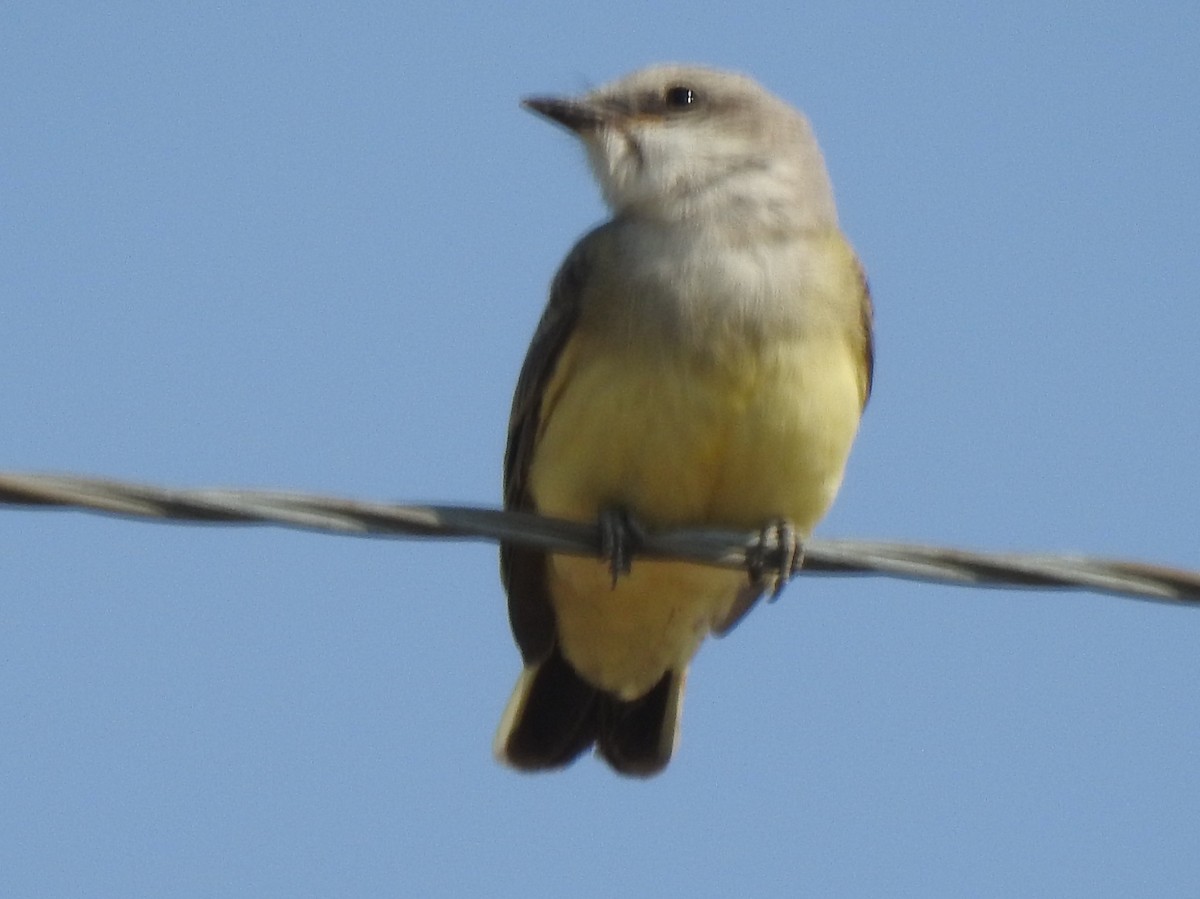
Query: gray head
685, 143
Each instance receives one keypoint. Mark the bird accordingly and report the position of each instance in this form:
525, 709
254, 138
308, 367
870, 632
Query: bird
703, 360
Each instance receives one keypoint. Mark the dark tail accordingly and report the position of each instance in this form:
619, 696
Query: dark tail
554, 716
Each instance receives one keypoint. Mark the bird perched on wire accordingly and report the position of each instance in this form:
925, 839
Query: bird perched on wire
703, 360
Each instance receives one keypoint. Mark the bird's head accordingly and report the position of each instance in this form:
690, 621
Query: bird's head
680, 143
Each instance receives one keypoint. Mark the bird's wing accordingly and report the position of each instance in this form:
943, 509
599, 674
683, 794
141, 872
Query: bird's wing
522, 569
866, 336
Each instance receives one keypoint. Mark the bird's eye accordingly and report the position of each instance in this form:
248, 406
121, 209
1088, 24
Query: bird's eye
680, 97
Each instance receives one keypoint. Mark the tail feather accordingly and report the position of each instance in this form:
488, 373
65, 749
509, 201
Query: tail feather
638, 737
554, 716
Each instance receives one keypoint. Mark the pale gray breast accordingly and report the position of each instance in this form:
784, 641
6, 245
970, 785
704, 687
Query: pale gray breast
692, 285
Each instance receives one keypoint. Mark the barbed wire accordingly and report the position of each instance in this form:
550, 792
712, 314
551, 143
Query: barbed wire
1138, 580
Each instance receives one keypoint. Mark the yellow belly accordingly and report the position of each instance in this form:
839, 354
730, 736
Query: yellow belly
732, 440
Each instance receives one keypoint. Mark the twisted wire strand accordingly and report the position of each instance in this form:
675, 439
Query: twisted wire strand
1138, 580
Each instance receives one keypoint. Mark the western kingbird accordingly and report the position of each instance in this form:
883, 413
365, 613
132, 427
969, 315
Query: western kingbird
704, 359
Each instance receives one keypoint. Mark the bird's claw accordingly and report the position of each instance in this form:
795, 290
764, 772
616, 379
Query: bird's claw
776, 556
620, 537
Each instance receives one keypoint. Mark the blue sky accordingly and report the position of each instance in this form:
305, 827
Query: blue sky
304, 246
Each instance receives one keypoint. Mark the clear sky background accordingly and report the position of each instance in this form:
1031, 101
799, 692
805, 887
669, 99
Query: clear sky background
304, 246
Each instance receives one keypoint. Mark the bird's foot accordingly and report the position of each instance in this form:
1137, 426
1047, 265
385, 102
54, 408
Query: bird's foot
620, 537
776, 557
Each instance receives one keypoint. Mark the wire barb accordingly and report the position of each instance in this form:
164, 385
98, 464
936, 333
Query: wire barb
727, 549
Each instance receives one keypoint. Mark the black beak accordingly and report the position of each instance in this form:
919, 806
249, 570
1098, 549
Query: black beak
574, 115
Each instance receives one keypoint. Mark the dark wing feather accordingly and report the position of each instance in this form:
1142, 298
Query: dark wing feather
868, 336
523, 570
